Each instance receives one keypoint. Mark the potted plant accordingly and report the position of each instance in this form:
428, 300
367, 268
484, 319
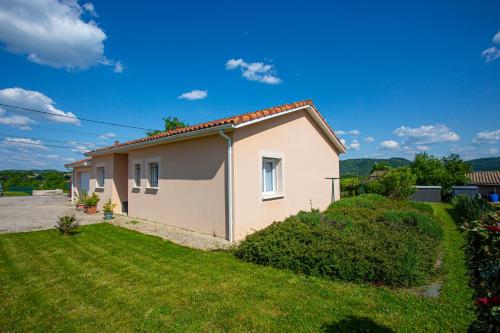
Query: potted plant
80, 201
108, 210
91, 203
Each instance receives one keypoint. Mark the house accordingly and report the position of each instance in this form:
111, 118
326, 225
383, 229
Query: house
486, 181
228, 177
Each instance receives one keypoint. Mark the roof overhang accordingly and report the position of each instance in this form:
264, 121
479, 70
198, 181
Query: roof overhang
314, 115
172, 138
310, 109
79, 164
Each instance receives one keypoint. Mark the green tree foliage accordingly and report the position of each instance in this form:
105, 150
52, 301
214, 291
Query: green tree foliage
446, 172
380, 166
396, 183
34, 179
171, 123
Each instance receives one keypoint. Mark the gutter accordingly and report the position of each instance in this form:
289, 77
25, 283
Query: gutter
229, 184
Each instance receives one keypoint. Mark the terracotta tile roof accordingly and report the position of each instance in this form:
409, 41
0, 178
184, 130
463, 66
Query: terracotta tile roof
485, 178
234, 120
69, 165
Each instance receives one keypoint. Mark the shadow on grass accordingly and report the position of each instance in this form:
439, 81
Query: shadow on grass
355, 325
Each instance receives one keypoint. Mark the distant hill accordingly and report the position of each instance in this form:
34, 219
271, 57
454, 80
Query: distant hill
485, 164
363, 166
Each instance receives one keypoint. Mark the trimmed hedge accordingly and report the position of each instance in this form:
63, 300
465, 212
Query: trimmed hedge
368, 238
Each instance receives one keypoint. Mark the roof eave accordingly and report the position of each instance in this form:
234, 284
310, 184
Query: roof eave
165, 139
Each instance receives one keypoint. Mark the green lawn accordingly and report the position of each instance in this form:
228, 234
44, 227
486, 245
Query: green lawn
109, 279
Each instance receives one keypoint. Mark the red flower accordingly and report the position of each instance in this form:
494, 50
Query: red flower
495, 300
492, 228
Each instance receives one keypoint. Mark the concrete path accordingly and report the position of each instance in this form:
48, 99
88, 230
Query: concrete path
18, 214
21, 214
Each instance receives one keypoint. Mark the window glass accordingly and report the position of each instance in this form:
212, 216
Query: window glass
268, 176
100, 176
153, 174
137, 175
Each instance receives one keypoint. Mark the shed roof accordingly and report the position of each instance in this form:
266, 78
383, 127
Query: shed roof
485, 178
234, 121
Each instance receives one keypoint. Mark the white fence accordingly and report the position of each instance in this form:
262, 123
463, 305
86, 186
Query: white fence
47, 192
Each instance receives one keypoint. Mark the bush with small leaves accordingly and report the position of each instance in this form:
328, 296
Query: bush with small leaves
67, 224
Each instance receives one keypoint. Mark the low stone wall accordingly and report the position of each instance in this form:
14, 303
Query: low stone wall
47, 192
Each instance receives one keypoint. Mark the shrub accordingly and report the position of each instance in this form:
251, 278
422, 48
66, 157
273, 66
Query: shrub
67, 224
471, 208
355, 239
108, 206
483, 256
91, 200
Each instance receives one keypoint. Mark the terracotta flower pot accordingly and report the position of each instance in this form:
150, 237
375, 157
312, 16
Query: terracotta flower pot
80, 206
91, 210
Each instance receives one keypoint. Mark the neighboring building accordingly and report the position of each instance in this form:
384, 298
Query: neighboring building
486, 181
375, 175
228, 177
427, 194
468, 191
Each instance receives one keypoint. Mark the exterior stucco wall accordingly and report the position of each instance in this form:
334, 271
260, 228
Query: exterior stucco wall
191, 192
107, 192
308, 158
120, 180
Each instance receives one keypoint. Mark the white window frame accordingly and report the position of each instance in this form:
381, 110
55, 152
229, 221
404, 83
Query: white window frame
274, 187
278, 175
98, 176
148, 163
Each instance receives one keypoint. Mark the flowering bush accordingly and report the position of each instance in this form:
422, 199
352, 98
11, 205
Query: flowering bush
483, 254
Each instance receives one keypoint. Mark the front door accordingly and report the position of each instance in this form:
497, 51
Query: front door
84, 182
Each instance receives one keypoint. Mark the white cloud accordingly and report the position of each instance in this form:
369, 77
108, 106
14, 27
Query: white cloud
496, 38
340, 133
389, 145
354, 132
427, 134
493, 151
89, 7
15, 121
490, 54
52, 33
343, 141
37, 101
118, 67
108, 136
369, 139
423, 148
354, 145
25, 142
255, 71
487, 137
194, 95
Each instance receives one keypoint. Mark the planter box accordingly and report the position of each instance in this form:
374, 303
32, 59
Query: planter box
91, 210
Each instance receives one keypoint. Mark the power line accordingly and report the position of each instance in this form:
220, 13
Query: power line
42, 139
71, 117
46, 145
77, 132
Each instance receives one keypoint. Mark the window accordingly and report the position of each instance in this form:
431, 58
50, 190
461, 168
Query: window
100, 176
269, 176
137, 175
153, 174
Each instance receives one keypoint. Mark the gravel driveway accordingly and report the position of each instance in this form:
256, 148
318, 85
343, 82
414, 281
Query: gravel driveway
36, 213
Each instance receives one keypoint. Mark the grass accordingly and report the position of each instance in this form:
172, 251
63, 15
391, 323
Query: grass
109, 279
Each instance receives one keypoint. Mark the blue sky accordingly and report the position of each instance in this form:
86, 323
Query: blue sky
395, 78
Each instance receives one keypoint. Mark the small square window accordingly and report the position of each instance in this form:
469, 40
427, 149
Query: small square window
137, 175
101, 176
153, 174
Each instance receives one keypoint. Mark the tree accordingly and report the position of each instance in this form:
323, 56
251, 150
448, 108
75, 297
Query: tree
446, 172
379, 166
396, 183
171, 123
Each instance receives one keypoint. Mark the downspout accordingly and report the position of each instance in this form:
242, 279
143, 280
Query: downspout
72, 185
229, 184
